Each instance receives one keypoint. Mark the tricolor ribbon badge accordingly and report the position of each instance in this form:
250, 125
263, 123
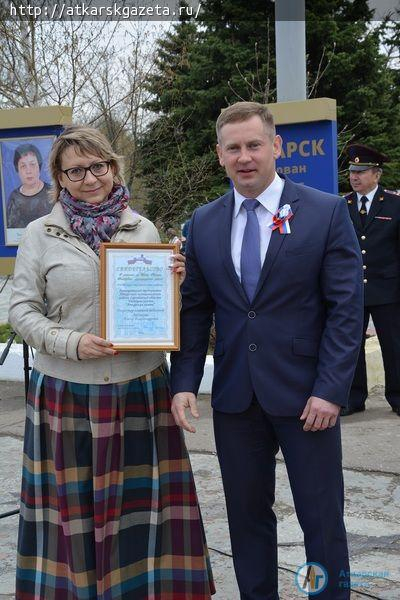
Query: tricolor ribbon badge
281, 219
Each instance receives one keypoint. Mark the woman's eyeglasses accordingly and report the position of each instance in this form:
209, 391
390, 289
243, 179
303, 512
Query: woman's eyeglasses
79, 173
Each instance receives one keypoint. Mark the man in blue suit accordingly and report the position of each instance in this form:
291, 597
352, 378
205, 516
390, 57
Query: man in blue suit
279, 266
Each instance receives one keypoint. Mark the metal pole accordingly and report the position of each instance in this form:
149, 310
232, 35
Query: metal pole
27, 368
290, 39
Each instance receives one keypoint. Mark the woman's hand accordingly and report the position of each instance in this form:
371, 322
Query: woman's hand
178, 266
92, 346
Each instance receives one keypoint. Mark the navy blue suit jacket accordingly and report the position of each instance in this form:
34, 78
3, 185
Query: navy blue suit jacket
301, 334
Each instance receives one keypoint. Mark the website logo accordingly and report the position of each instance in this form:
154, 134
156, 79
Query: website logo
311, 578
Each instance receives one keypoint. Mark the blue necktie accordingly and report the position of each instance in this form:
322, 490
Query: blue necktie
250, 261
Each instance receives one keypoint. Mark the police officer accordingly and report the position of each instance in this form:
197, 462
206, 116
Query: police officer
376, 218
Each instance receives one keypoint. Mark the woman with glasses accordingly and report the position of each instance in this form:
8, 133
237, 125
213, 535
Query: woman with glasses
108, 504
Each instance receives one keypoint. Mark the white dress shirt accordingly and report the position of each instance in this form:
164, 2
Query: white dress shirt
370, 197
269, 203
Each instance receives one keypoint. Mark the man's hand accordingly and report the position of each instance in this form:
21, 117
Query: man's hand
180, 402
178, 261
319, 414
93, 346
178, 266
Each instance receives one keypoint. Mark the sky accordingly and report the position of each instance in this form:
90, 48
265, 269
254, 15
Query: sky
382, 7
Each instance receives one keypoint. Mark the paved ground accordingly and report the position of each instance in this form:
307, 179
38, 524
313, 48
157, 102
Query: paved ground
371, 446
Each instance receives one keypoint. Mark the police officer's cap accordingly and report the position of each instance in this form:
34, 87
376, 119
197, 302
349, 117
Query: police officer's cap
363, 157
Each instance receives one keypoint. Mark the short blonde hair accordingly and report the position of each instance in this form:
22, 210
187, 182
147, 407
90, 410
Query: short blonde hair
85, 140
242, 111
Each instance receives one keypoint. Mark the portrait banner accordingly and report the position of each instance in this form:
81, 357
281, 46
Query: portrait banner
25, 183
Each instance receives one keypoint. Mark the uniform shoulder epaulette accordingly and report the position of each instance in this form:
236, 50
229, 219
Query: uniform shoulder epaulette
348, 197
395, 192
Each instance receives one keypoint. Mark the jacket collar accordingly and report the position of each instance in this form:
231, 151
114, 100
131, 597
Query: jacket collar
376, 206
57, 218
353, 209
269, 198
289, 196
228, 203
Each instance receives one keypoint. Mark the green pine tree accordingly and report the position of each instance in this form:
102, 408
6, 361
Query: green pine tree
345, 60
202, 68
229, 55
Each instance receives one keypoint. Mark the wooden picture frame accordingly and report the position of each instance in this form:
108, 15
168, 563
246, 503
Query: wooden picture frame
139, 296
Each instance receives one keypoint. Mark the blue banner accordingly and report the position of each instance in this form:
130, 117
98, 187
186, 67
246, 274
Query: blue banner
24, 181
309, 154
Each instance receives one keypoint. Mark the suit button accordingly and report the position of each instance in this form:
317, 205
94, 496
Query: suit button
253, 347
251, 314
364, 267
58, 233
363, 237
363, 252
365, 280
106, 379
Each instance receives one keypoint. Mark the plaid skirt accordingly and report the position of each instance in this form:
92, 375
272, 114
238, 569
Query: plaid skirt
108, 504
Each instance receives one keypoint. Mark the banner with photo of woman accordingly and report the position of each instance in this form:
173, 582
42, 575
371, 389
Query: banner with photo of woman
25, 182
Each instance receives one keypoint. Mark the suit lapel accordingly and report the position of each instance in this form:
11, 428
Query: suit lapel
376, 206
225, 242
353, 209
289, 196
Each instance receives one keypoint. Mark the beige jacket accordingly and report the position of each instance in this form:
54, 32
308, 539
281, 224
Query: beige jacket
55, 299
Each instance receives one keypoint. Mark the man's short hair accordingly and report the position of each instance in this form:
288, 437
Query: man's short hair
242, 111
23, 150
377, 170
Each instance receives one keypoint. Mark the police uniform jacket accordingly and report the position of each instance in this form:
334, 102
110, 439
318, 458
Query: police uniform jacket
380, 246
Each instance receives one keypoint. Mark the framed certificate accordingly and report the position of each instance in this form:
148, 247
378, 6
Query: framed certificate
139, 296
